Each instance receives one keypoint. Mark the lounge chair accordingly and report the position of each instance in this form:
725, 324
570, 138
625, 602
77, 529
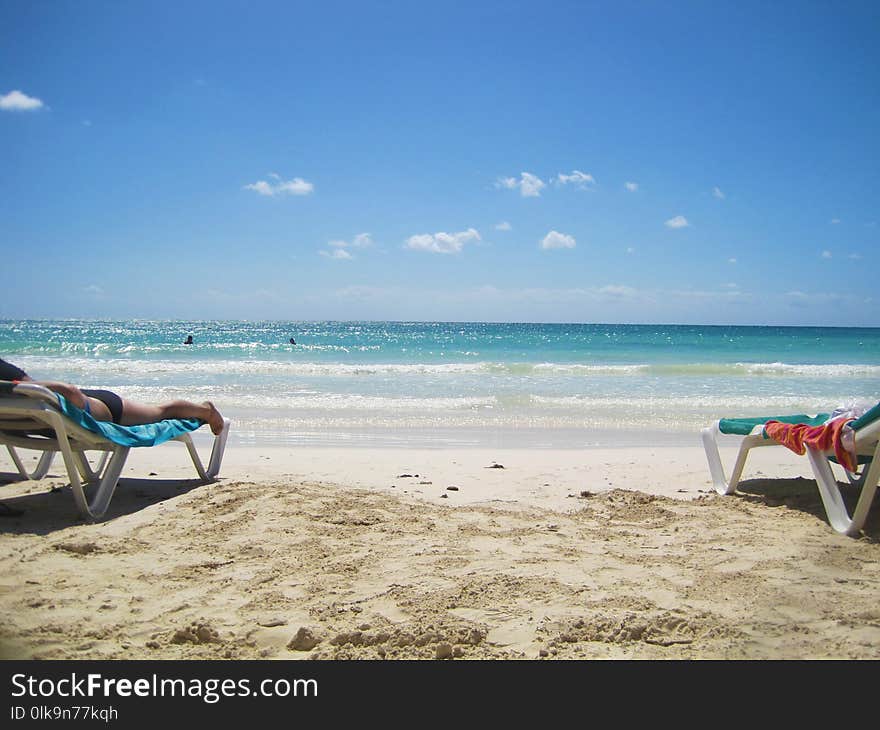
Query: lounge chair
867, 442
34, 417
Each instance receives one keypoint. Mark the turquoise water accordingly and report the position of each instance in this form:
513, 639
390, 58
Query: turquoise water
436, 384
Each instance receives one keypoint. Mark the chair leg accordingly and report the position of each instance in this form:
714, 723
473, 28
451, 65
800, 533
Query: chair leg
43, 465
217, 452
219, 449
716, 468
94, 510
89, 473
110, 478
194, 455
857, 479
832, 498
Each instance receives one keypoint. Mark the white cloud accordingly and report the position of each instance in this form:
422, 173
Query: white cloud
339, 253
338, 247
529, 185
554, 239
716, 192
581, 179
612, 299
361, 240
616, 290
678, 222
297, 186
855, 256
213, 297
442, 242
262, 187
16, 101
630, 249
503, 226
94, 291
826, 254
835, 221
631, 186
731, 260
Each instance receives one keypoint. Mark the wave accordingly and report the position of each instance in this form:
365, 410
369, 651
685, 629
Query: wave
175, 350
607, 408
170, 366
585, 417
310, 401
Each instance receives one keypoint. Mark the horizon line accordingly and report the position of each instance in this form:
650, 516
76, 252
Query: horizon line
429, 321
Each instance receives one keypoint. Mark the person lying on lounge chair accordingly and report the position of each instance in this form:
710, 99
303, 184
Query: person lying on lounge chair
105, 405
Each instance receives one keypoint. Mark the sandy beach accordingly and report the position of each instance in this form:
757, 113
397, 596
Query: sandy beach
468, 281
322, 553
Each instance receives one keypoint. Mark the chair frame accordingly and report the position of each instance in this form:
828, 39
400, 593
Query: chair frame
867, 442
32, 408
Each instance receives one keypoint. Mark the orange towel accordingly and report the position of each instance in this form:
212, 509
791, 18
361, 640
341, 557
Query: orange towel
797, 436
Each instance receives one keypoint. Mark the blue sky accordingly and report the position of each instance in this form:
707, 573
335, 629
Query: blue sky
674, 162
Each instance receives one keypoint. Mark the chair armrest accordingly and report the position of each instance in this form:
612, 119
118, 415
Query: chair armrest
31, 390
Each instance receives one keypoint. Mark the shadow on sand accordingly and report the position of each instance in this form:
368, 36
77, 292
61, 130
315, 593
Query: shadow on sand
46, 506
802, 494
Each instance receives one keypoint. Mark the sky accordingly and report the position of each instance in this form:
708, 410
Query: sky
617, 162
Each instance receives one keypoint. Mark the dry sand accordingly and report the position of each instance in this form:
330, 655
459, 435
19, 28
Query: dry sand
368, 553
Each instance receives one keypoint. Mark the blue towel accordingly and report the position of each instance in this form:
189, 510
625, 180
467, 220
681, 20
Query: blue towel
149, 434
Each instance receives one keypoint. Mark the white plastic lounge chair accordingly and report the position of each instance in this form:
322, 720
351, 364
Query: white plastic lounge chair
31, 417
752, 431
867, 441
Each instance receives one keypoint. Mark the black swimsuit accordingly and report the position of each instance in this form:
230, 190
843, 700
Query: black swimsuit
109, 399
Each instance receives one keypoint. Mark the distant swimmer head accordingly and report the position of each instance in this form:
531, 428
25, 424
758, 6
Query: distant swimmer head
188, 340
292, 341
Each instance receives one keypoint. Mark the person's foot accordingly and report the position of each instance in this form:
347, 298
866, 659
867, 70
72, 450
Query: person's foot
215, 420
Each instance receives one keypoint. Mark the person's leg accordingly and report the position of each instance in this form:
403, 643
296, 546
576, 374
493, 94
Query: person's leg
134, 414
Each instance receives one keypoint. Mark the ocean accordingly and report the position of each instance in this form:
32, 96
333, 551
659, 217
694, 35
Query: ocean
442, 384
